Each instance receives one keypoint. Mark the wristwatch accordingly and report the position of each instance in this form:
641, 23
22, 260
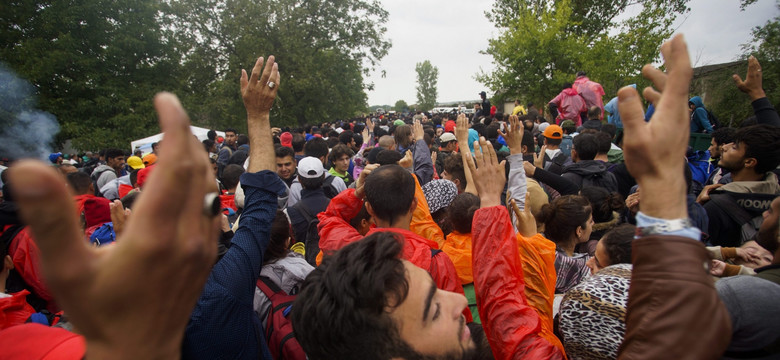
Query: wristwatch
665, 227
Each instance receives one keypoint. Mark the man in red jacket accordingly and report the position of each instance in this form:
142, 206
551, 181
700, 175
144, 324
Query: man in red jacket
389, 196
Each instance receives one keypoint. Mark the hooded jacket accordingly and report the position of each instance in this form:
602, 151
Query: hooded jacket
700, 121
288, 274
336, 232
590, 173
570, 104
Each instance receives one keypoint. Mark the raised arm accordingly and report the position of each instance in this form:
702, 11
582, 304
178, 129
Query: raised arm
673, 308
511, 325
752, 86
462, 136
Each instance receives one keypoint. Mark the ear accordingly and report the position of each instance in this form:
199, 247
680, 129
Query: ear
580, 230
751, 163
91, 188
370, 209
414, 205
524, 149
8, 263
574, 156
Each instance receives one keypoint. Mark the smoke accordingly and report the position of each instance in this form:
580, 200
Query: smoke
25, 131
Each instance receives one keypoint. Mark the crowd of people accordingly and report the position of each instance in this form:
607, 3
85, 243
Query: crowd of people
580, 235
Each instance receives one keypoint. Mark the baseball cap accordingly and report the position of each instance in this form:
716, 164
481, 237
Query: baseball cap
286, 139
553, 132
482, 93
398, 122
150, 159
310, 167
447, 137
135, 162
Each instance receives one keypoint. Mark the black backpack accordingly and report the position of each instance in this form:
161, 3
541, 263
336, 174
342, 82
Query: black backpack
312, 241
713, 120
328, 188
95, 177
736, 205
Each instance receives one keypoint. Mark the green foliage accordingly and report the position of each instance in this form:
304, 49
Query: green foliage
766, 48
427, 78
401, 106
542, 44
324, 49
95, 64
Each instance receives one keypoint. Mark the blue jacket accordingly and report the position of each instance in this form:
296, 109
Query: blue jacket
700, 122
224, 324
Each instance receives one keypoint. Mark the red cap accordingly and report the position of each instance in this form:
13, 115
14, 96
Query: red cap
286, 139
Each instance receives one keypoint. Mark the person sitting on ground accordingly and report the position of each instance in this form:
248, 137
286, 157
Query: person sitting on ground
458, 243
596, 332
568, 221
553, 157
720, 138
585, 171
735, 209
607, 208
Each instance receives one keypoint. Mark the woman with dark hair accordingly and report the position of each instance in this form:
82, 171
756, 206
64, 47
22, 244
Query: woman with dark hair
282, 266
606, 215
595, 332
458, 244
568, 221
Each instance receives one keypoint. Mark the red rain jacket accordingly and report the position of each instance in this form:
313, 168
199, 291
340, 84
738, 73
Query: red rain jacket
511, 325
335, 233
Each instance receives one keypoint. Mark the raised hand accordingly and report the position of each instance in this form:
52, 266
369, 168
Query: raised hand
539, 158
487, 173
514, 135
417, 129
162, 257
119, 216
462, 131
361, 180
259, 91
753, 81
655, 151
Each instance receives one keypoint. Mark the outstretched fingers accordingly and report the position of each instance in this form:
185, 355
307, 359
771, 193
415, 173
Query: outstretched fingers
256, 71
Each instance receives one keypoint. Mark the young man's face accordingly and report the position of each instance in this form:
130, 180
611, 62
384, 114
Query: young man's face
431, 320
732, 157
116, 162
230, 138
285, 167
342, 163
714, 149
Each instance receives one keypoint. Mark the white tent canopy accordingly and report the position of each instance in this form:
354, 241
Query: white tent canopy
145, 144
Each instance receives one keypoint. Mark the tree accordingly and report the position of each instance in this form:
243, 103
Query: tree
542, 44
427, 77
324, 48
401, 106
95, 64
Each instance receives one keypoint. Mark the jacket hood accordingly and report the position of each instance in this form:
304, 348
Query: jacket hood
101, 167
570, 91
767, 186
696, 100
586, 167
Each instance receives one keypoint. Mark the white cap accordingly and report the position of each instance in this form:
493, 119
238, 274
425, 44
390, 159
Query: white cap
447, 137
310, 167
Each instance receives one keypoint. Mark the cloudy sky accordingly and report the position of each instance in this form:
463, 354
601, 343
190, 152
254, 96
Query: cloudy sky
451, 33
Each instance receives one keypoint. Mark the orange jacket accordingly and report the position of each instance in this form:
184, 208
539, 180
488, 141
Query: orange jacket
458, 248
422, 222
538, 258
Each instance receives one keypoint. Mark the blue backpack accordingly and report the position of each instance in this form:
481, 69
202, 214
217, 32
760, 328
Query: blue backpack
103, 235
699, 163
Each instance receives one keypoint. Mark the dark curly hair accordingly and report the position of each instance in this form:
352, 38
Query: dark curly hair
341, 311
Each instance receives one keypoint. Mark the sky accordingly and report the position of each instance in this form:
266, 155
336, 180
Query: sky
451, 34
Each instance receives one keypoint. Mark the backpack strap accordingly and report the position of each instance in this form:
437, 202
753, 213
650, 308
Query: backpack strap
268, 287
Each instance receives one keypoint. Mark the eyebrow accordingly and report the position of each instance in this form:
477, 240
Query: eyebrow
428, 299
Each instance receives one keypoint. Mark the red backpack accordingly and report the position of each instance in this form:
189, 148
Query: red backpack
278, 330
